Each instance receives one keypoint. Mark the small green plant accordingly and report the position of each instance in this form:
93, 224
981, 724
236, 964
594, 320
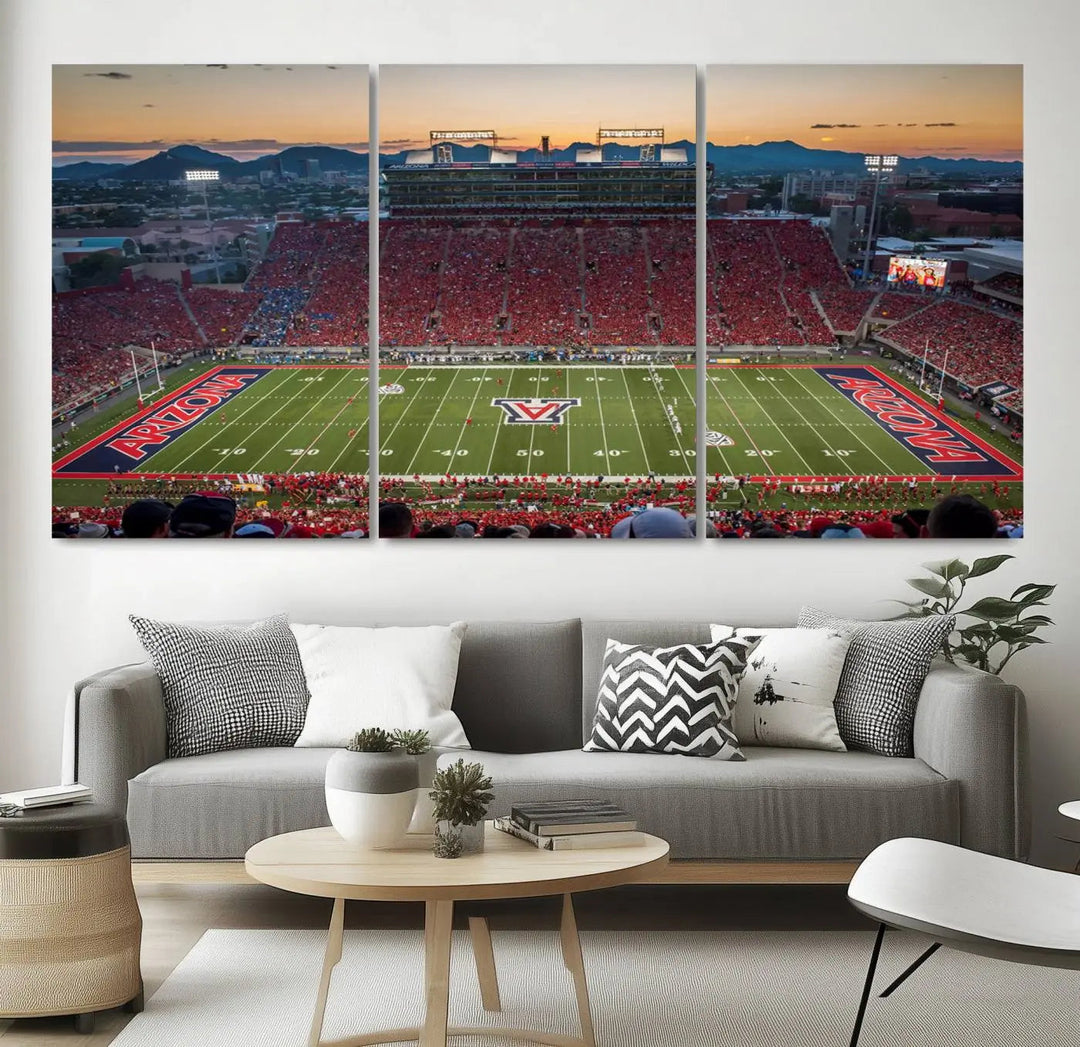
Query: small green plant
447, 842
371, 740
415, 743
1003, 627
376, 740
460, 793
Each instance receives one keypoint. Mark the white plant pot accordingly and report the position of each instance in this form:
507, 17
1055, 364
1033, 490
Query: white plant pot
370, 797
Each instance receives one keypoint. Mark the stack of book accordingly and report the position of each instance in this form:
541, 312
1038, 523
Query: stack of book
564, 825
50, 796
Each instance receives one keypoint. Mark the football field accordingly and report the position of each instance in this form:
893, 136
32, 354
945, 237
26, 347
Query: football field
792, 421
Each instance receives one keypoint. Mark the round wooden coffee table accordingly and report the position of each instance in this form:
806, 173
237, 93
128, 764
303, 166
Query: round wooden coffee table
319, 862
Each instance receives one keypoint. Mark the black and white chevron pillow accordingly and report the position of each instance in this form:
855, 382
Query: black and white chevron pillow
670, 699
227, 687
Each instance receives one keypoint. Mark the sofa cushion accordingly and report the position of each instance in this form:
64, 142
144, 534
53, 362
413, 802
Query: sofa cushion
220, 804
780, 804
519, 685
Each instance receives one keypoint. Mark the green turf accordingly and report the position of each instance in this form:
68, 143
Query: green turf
783, 421
620, 427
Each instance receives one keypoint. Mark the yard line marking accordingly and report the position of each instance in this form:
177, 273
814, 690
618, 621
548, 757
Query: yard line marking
344, 407
464, 426
739, 422
693, 400
603, 427
889, 470
431, 421
671, 424
352, 439
255, 403
532, 428
816, 429
384, 440
285, 435
641, 438
776, 425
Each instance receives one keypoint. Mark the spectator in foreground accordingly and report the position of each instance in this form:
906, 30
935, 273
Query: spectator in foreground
146, 518
961, 516
653, 523
395, 520
203, 516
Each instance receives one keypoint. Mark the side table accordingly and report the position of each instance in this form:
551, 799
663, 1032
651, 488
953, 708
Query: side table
70, 927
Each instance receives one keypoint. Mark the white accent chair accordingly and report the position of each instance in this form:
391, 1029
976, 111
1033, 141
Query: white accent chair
966, 900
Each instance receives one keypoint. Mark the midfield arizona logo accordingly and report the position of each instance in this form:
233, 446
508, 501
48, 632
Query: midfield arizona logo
535, 410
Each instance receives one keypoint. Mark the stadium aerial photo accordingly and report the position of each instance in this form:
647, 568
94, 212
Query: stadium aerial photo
864, 301
210, 301
538, 352
536, 301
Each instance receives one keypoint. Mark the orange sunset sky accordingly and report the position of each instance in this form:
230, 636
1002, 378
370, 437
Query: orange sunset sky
123, 113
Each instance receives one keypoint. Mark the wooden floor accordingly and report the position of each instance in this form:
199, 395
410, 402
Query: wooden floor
175, 917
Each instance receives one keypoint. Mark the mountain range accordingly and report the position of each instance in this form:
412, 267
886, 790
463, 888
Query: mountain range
765, 158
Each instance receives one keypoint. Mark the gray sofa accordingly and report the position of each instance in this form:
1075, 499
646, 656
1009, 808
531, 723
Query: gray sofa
525, 695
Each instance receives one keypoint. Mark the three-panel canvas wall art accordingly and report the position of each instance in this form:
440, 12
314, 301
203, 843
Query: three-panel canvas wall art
570, 314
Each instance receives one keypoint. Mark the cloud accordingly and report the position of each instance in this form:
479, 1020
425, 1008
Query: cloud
881, 125
823, 127
212, 66
331, 67
149, 105
61, 146
907, 125
111, 76
946, 123
397, 141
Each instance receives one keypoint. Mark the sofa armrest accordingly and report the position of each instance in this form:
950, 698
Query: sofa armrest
971, 727
115, 728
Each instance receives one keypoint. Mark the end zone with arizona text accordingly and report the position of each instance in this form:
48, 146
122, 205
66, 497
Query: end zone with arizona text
940, 443
135, 440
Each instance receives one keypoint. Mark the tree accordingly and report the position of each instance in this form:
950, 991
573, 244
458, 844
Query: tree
802, 204
899, 221
100, 269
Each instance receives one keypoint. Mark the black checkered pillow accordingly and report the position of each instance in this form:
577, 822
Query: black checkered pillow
883, 675
670, 699
228, 687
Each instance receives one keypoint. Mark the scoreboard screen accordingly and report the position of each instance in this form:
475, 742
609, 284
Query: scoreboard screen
909, 271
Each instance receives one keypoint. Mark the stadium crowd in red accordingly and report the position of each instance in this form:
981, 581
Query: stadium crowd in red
844, 306
982, 346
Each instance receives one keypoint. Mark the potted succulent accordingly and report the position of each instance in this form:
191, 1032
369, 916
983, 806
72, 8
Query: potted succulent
460, 793
372, 786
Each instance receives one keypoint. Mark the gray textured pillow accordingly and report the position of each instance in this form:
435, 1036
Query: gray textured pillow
229, 687
883, 675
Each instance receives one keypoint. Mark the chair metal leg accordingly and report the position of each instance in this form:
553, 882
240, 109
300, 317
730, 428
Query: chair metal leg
912, 969
868, 986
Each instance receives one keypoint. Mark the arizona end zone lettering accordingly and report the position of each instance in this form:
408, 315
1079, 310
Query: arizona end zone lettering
190, 408
128, 446
938, 445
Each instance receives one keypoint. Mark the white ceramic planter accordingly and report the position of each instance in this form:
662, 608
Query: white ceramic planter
370, 797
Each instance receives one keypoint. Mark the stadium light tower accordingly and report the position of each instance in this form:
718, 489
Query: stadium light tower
877, 166
202, 177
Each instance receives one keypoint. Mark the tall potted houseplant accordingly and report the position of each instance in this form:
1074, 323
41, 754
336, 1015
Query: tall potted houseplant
372, 786
460, 793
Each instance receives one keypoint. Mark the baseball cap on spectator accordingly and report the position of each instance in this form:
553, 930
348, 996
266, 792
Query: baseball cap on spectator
465, 530
842, 531
877, 528
145, 518
203, 516
254, 530
520, 531
355, 533
819, 524
710, 527
301, 531
64, 529
653, 523
93, 530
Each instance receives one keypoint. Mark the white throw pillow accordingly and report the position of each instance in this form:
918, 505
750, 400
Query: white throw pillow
786, 693
392, 677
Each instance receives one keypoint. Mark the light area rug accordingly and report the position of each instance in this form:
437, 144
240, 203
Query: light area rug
257, 988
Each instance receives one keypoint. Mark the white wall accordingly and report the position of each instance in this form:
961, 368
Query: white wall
65, 603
